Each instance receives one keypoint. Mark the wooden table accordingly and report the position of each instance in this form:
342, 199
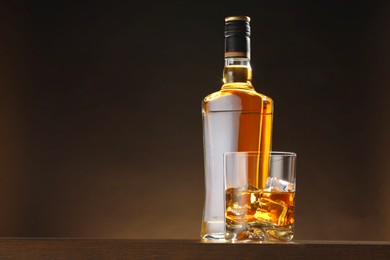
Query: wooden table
63, 248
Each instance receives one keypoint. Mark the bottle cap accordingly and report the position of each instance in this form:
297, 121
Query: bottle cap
238, 18
237, 36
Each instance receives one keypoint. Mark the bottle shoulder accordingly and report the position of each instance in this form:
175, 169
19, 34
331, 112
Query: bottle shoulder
236, 99
247, 93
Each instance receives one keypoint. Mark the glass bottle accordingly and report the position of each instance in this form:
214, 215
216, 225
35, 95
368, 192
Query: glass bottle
235, 118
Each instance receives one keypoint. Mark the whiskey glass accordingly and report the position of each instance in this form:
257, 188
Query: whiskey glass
259, 201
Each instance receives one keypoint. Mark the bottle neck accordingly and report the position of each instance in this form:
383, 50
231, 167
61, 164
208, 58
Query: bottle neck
237, 70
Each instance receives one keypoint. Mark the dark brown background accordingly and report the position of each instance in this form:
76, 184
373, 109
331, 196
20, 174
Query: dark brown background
100, 131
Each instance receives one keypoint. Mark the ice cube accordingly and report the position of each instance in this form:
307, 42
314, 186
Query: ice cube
271, 211
241, 203
277, 184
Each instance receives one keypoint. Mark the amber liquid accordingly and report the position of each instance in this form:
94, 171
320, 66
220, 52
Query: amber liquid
256, 206
253, 212
236, 118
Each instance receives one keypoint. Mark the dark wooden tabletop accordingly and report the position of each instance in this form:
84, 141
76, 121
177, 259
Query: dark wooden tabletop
69, 248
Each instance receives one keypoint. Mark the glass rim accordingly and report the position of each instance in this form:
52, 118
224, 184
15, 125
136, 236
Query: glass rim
251, 153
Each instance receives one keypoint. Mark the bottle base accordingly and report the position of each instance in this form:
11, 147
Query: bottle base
213, 238
213, 231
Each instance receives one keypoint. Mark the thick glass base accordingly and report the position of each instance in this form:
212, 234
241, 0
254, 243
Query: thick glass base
258, 233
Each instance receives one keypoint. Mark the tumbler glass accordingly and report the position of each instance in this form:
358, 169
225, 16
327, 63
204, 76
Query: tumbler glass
259, 204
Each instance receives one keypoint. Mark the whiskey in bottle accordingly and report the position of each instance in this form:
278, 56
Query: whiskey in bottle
235, 118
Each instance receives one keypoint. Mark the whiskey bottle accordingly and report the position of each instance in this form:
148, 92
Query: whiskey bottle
235, 118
